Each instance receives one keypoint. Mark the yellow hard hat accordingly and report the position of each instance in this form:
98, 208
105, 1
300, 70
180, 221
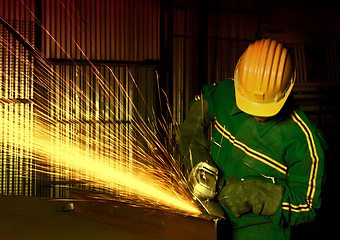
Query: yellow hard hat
264, 77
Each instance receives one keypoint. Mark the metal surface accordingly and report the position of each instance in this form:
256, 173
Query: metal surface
159, 223
85, 217
33, 218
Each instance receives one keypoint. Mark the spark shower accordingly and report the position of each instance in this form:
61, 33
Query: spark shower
59, 129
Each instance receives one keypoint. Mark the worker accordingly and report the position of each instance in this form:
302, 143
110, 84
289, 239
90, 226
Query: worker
269, 152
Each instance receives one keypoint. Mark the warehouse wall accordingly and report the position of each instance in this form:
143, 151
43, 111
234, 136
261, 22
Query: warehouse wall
103, 30
16, 93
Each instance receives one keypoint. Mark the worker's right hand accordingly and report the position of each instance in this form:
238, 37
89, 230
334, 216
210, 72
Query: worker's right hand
252, 195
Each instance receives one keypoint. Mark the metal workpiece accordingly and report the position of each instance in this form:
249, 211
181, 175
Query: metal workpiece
87, 216
161, 224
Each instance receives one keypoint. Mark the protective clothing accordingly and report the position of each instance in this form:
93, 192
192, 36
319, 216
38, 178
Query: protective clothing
287, 150
251, 195
264, 77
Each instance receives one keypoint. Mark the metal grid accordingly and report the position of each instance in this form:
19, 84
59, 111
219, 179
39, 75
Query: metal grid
16, 108
116, 30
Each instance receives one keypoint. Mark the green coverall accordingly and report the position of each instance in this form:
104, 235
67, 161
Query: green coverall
287, 150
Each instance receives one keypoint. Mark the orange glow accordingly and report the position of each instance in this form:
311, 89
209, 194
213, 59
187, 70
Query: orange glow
67, 158
98, 170
63, 137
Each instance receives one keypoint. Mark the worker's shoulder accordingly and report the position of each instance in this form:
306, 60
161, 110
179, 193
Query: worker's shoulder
224, 87
298, 123
299, 128
227, 84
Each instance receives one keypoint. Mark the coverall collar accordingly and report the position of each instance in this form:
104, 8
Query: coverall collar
262, 127
235, 110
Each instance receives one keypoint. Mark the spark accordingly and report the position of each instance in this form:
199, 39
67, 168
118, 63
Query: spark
64, 136
98, 170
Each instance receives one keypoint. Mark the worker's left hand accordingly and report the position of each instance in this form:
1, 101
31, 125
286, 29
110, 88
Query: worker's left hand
255, 196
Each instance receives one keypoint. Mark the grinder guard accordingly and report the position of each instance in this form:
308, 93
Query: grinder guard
203, 181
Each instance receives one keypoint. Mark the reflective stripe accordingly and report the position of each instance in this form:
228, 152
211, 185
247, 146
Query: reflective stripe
295, 208
249, 151
314, 168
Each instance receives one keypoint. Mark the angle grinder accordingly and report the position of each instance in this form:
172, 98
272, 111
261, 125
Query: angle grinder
204, 184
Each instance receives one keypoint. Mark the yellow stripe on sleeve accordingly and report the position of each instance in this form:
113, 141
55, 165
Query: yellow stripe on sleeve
314, 168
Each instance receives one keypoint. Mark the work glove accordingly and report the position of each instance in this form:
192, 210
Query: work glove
255, 196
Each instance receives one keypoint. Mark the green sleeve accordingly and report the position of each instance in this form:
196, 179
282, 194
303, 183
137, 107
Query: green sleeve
209, 91
305, 161
192, 138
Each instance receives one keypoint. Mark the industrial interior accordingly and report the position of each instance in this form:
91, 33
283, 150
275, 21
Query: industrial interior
92, 92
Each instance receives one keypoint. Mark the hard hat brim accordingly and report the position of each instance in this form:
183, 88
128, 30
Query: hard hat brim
267, 109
